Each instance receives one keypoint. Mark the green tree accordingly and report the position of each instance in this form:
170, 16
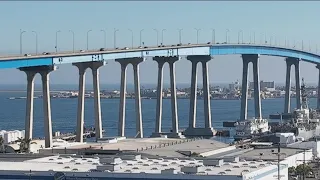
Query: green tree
25, 145
2, 149
292, 170
303, 169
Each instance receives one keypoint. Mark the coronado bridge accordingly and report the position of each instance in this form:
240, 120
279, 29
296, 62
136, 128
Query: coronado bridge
195, 53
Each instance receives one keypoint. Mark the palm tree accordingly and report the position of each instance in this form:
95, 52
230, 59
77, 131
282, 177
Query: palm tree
25, 144
2, 149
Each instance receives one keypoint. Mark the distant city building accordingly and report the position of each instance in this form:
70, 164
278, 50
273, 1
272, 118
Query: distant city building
234, 86
269, 86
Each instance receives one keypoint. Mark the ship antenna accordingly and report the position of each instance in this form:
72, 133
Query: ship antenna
304, 100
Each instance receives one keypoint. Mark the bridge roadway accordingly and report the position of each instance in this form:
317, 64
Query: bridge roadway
17, 61
195, 53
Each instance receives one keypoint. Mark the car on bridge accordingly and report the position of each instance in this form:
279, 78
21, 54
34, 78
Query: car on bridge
102, 49
46, 53
27, 55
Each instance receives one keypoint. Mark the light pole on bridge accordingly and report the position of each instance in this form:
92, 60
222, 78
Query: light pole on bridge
36, 34
131, 37
156, 30
57, 40
104, 38
21, 33
227, 35
254, 37
180, 31
115, 37
162, 31
72, 40
241, 37
141, 36
197, 34
213, 36
88, 39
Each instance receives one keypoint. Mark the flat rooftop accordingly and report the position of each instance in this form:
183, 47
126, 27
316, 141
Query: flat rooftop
145, 165
269, 153
197, 146
166, 147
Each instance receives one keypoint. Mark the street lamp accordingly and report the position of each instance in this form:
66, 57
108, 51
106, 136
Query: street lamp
227, 35
279, 154
241, 37
72, 39
131, 37
21, 33
88, 39
254, 37
104, 37
197, 34
156, 30
180, 30
36, 34
162, 31
270, 40
141, 36
115, 37
57, 40
213, 36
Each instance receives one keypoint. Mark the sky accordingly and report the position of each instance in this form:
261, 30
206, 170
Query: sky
292, 21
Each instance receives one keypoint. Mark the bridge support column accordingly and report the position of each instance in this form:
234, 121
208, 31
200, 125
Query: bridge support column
158, 128
47, 106
318, 99
244, 90
207, 130
44, 71
247, 58
82, 67
29, 104
174, 112
80, 111
298, 91
137, 95
287, 86
135, 63
122, 105
96, 92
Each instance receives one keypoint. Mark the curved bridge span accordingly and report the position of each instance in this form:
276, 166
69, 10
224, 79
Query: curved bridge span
184, 50
195, 53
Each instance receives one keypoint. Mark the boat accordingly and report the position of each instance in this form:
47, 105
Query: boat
304, 122
250, 128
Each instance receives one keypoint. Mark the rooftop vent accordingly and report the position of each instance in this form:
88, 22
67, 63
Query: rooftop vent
228, 170
222, 173
253, 167
128, 170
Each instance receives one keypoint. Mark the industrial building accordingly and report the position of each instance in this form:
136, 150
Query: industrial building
135, 167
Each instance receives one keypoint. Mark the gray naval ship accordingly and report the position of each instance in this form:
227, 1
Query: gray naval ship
303, 122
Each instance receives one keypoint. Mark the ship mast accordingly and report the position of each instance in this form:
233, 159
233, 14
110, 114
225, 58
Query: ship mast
304, 100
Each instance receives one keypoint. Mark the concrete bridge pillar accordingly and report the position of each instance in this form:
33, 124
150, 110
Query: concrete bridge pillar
298, 91
192, 130
288, 86
318, 99
80, 111
244, 90
135, 63
47, 105
158, 128
174, 112
29, 102
96, 92
44, 71
82, 67
254, 59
